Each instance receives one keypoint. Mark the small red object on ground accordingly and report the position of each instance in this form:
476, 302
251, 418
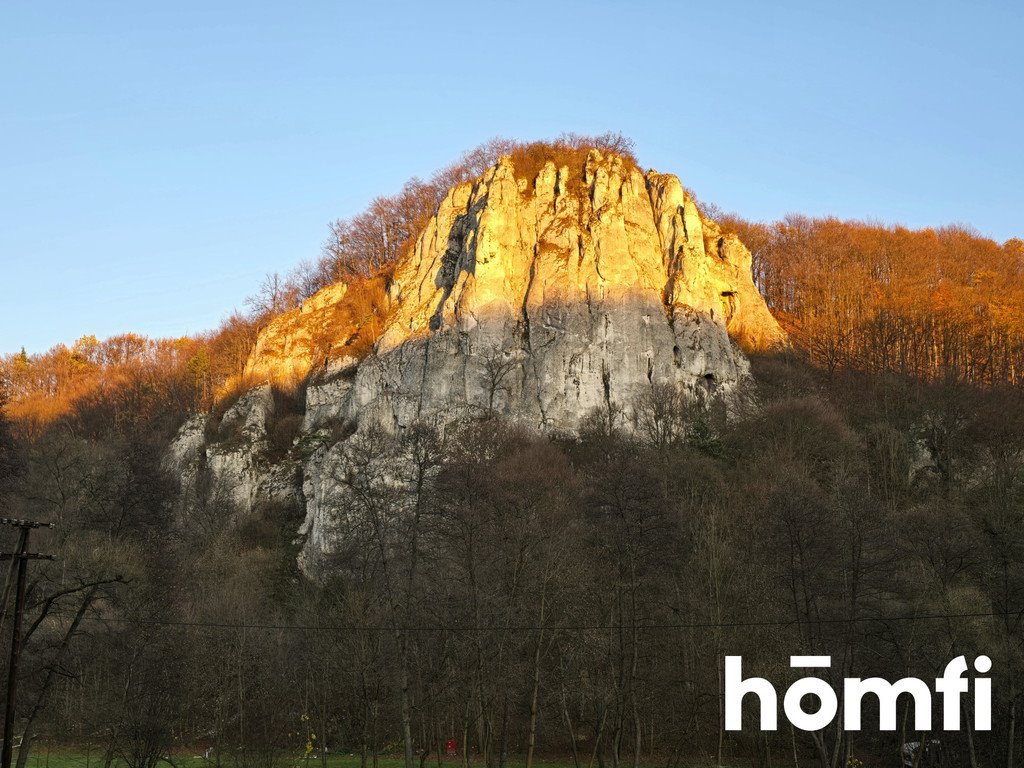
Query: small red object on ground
451, 747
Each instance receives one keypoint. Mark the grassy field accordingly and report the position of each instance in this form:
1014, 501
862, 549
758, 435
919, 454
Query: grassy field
63, 757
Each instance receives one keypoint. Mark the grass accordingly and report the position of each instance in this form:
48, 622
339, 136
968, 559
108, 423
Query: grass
64, 757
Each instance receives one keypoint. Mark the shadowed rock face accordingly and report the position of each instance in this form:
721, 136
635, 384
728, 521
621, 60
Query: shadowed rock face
544, 301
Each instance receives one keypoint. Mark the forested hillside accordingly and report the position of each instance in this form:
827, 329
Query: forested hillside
529, 594
941, 303
583, 592
933, 304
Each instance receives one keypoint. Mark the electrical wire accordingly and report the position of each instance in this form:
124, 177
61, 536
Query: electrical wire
536, 628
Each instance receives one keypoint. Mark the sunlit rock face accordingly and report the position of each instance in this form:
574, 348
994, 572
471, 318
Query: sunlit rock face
543, 301
292, 342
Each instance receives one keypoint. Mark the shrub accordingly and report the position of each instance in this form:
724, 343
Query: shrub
281, 434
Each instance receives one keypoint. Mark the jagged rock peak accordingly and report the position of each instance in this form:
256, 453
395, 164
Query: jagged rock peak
503, 244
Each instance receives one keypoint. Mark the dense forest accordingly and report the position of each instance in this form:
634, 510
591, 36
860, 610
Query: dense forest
530, 595
934, 304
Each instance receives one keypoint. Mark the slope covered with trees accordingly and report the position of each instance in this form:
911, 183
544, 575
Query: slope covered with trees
528, 595
512, 590
933, 303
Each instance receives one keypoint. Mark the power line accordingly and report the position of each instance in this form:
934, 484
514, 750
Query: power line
536, 628
19, 562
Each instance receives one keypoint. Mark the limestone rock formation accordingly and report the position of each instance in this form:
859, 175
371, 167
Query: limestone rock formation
291, 343
231, 474
544, 300
539, 300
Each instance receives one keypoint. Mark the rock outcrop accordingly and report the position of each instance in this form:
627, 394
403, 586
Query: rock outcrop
293, 342
539, 300
227, 473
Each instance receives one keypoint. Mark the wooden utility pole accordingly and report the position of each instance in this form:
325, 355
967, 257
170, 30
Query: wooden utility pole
20, 559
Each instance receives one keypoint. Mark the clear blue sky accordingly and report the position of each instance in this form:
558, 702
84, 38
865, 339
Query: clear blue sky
156, 160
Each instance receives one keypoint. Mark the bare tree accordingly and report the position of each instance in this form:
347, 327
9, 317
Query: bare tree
498, 364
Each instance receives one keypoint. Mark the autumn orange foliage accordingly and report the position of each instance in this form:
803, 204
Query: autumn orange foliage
936, 304
122, 383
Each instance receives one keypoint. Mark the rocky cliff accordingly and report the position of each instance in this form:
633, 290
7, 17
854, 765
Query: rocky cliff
542, 300
534, 297
288, 348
